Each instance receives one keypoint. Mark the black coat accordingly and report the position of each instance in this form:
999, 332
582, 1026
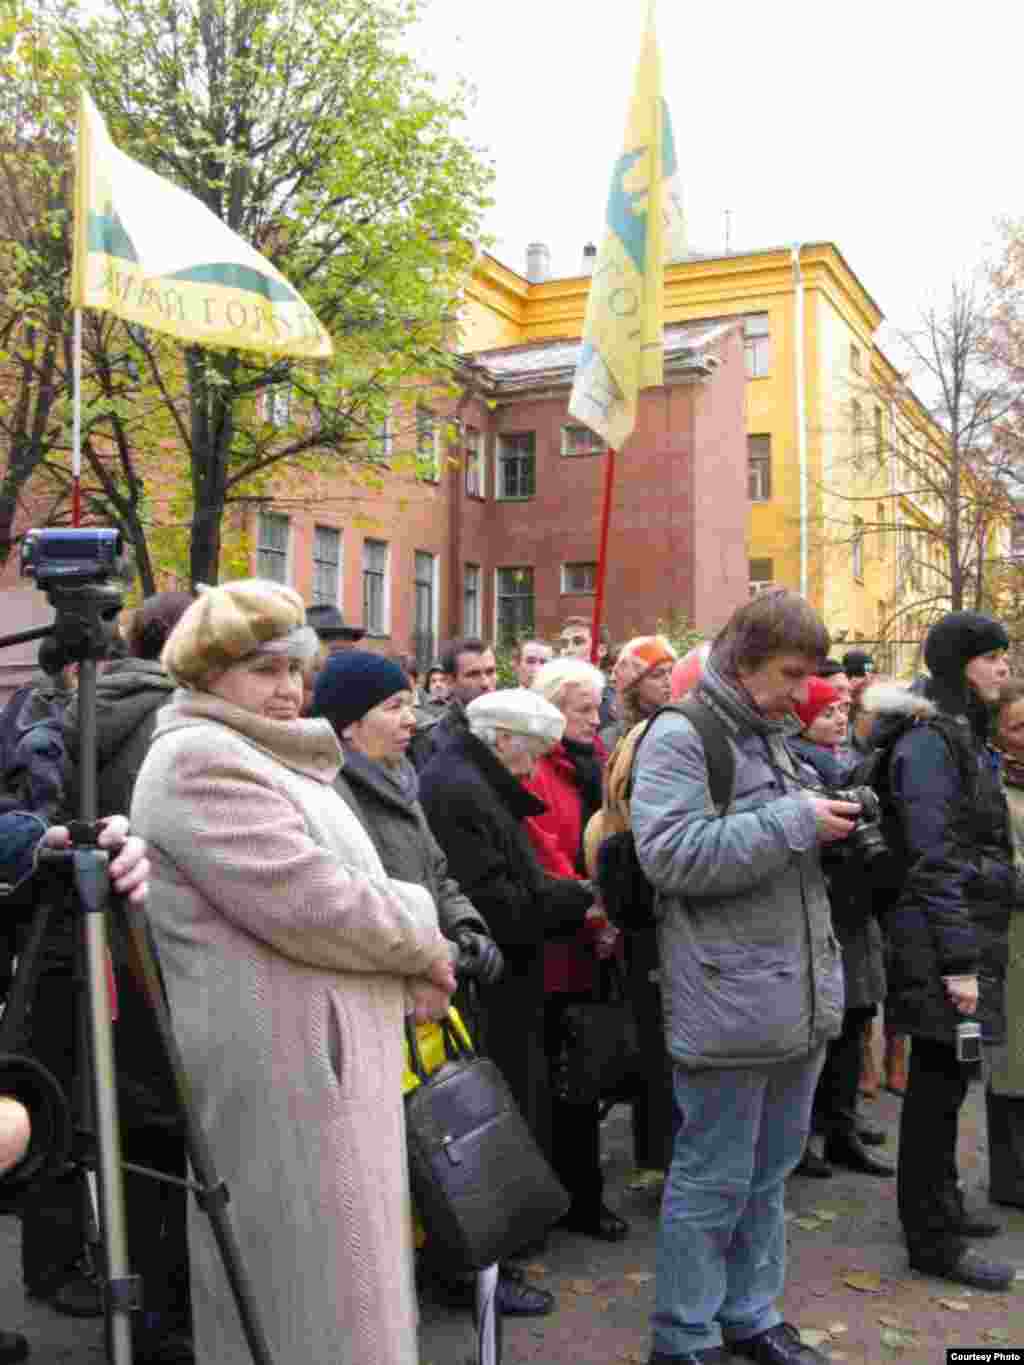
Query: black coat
949, 825
475, 808
850, 898
437, 733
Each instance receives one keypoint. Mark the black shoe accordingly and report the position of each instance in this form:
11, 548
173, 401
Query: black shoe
813, 1166
602, 1224
872, 1137
968, 1269
778, 1346
850, 1152
517, 1298
974, 1225
13, 1347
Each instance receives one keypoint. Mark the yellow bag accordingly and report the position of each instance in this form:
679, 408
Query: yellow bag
430, 1041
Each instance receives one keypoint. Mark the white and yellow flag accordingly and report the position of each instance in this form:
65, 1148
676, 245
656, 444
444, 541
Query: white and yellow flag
154, 255
623, 349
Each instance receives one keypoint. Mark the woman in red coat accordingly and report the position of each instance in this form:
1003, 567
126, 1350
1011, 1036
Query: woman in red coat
568, 780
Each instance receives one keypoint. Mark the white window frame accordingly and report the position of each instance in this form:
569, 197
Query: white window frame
567, 589
383, 439
762, 462
472, 627
336, 598
262, 518
473, 454
277, 405
502, 454
757, 346
368, 623
418, 557
428, 467
857, 550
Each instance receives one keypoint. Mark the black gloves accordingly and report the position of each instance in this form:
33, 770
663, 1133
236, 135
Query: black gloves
480, 957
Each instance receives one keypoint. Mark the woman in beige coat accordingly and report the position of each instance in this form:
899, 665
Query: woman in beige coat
290, 958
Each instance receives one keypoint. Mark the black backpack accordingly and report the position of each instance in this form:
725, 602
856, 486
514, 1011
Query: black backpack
628, 896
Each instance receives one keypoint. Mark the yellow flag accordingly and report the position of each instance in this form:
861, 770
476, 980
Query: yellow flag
623, 349
154, 255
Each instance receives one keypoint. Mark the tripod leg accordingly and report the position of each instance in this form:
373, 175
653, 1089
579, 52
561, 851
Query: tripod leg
214, 1197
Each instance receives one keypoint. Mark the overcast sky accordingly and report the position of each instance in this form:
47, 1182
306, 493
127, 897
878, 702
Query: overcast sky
891, 127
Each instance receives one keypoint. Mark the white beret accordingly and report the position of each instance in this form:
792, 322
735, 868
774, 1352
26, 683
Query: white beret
520, 711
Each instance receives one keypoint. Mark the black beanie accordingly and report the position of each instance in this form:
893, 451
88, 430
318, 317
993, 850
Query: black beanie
958, 638
353, 683
857, 663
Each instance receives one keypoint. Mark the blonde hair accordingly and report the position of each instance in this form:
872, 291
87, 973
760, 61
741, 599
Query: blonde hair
225, 624
554, 678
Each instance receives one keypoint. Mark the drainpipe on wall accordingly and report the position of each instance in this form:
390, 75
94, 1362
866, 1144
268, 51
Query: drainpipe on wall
801, 409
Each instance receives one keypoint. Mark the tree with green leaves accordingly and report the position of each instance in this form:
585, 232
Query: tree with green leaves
310, 132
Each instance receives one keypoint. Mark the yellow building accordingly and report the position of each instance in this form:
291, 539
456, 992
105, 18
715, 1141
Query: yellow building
824, 505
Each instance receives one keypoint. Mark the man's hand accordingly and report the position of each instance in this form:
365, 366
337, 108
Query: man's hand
441, 974
129, 871
963, 992
428, 1001
479, 957
836, 819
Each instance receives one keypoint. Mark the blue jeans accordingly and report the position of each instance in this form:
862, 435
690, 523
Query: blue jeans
722, 1239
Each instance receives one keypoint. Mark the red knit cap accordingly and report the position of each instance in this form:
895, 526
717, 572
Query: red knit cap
820, 695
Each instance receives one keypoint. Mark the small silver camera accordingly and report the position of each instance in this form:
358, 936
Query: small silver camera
968, 1041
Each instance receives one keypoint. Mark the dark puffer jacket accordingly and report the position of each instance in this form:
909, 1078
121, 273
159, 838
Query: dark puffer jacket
948, 823
387, 807
128, 696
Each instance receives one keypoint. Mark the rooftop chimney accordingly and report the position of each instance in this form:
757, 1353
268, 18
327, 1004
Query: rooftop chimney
589, 258
538, 263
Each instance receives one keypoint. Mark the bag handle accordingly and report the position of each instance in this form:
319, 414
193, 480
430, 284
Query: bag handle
455, 1050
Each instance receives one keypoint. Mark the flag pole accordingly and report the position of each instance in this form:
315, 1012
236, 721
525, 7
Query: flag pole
602, 557
76, 419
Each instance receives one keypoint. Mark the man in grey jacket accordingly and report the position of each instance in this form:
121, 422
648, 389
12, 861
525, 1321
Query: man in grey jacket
752, 983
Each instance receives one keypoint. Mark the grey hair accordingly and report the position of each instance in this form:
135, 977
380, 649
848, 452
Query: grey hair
554, 678
488, 734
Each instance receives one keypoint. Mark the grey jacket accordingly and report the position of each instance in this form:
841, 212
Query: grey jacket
751, 970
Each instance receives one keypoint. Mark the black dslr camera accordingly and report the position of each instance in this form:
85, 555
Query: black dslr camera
866, 841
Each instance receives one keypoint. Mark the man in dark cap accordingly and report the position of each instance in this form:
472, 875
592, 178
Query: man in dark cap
331, 629
948, 926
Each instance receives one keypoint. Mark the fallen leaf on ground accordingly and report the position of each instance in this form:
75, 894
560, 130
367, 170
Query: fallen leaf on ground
645, 1180
867, 1281
535, 1268
826, 1215
996, 1334
581, 1286
639, 1276
889, 1322
837, 1329
602, 1305
813, 1336
634, 1357
838, 1355
896, 1340
808, 1224
954, 1305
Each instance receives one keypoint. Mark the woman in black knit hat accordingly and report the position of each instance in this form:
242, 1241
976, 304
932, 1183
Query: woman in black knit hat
948, 929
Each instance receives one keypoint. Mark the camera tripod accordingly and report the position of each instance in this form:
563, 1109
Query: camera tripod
85, 617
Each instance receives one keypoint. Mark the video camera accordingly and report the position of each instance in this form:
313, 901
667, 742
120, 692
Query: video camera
57, 558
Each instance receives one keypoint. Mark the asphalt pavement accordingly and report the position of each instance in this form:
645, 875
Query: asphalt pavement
848, 1287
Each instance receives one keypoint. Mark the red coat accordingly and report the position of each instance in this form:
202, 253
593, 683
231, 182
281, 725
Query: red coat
556, 836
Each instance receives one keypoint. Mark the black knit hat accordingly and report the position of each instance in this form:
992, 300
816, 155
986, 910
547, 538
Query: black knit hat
958, 638
329, 623
858, 663
353, 683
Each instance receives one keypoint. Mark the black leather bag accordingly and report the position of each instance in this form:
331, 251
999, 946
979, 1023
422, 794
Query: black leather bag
480, 1183
598, 1055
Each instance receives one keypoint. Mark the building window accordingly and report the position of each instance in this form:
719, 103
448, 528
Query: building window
879, 433
579, 578
428, 445
272, 547
383, 440
472, 617
856, 426
425, 606
326, 565
756, 345
858, 549
474, 457
854, 358
276, 405
581, 441
759, 461
762, 576
516, 465
515, 603
375, 583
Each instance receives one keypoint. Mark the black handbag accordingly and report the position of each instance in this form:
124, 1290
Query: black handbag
480, 1183
597, 1052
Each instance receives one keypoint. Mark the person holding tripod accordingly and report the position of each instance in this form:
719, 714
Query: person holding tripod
289, 958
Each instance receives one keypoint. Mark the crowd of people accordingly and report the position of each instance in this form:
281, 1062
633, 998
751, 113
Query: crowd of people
334, 842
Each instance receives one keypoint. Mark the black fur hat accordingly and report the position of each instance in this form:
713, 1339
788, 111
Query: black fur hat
958, 638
